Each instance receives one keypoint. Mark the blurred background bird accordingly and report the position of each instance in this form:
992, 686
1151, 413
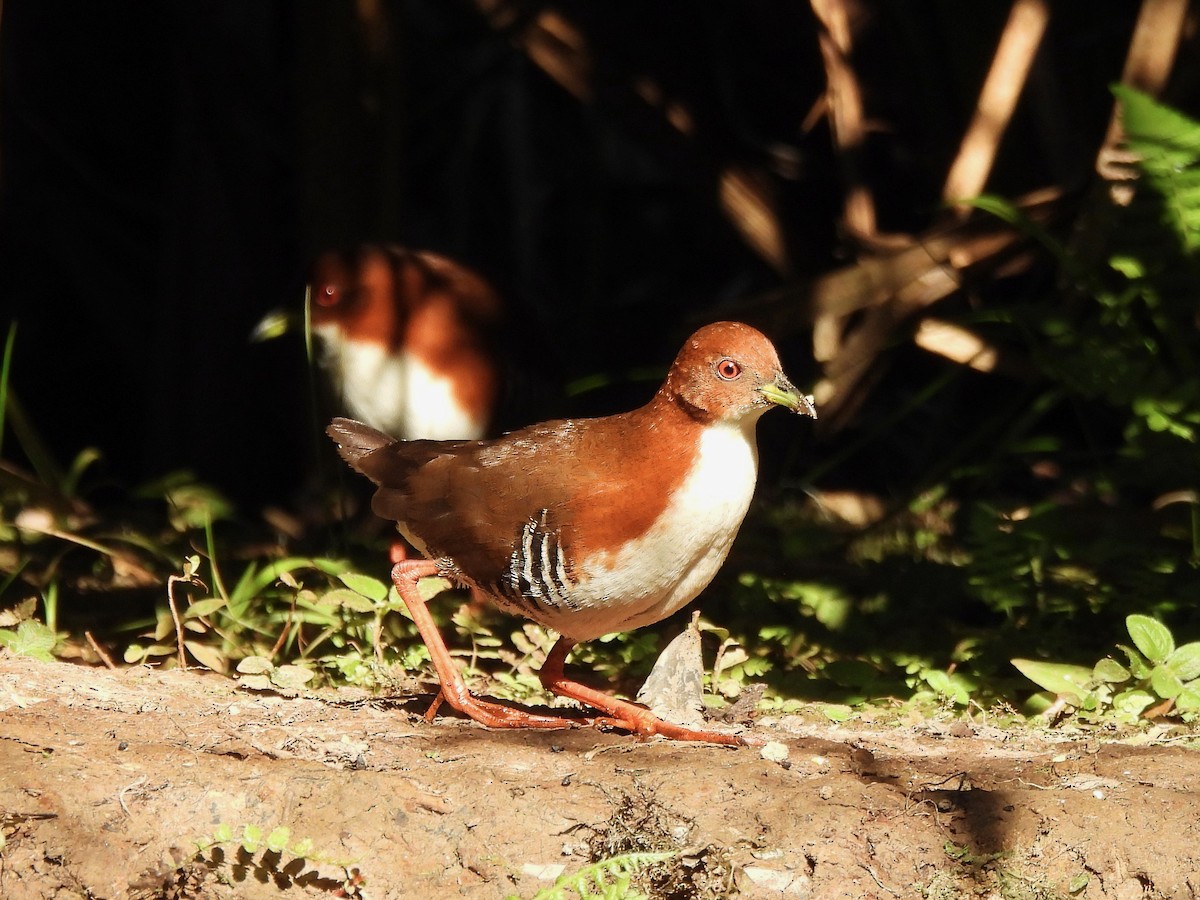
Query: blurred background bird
405, 339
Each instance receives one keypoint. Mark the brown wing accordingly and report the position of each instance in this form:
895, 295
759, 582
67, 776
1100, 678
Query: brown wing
469, 500
598, 482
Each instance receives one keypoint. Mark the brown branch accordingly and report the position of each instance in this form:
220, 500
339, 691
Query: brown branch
998, 98
1152, 52
845, 108
552, 43
747, 202
100, 651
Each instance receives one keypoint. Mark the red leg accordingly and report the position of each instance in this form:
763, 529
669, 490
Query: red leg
619, 713
454, 691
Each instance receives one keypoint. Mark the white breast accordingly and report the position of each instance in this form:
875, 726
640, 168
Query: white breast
396, 393
651, 577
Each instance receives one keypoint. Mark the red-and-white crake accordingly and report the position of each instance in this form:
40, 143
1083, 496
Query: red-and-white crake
404, 334
586, 526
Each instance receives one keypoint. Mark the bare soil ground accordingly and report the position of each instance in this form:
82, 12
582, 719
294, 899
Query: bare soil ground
116, 784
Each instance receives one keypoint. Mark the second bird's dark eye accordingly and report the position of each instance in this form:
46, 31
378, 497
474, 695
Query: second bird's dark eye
329, 295
728, 369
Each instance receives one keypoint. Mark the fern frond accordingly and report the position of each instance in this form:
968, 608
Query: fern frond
1168, 146
608, 879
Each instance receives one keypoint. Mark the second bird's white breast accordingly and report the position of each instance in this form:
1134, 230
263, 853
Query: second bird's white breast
396, 393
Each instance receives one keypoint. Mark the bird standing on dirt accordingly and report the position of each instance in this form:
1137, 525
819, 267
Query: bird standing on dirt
586, 526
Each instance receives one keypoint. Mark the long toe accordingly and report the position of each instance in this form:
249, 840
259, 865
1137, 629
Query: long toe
497, 715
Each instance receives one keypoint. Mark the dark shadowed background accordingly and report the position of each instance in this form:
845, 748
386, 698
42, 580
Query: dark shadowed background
169, 170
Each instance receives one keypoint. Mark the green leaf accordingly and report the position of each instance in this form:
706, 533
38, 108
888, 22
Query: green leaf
31, 639
1109, 671
1133, 702
369, 587
291, 677
223, 833
1185, 661
134, 653
255, 665
431, 587
1147, 121
947, 685
1129, 266
1137, 663
1189, 698
344, 597
204, 607
278, 839
1151, 637
251, 838
1061, 679
209, 657
302, 848
836, 712
1165, 683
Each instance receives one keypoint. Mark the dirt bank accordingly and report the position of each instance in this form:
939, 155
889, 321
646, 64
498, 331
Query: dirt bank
142, 784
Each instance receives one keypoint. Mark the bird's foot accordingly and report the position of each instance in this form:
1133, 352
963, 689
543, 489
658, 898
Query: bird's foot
621, 713
647, 725
496, 715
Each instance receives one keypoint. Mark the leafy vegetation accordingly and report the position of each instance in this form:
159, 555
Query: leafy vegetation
1063, 506
607, 879
1157, 674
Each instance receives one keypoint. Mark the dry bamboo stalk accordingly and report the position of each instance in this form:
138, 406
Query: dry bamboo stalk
998, 98
845, 107
957, 344
560, 49
1152, 51
747, 203
553, 43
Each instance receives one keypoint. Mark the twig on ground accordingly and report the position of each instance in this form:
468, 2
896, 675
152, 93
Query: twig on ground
100, 651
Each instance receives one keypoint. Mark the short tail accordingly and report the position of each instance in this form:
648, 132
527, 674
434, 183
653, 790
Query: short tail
355, 440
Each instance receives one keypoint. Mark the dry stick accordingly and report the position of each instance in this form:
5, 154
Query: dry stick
172, 580
284, 631
552, 43
560, 48
843, 104
100, 650
845, 112
1152, 51
1001, 89
747, 201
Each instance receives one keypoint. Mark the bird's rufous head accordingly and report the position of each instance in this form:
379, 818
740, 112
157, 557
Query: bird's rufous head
392, 296
729, 371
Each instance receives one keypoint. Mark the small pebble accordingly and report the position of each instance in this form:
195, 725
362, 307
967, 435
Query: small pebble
774, 751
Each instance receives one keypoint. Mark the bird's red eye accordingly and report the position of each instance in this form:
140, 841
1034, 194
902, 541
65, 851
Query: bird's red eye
728, 369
